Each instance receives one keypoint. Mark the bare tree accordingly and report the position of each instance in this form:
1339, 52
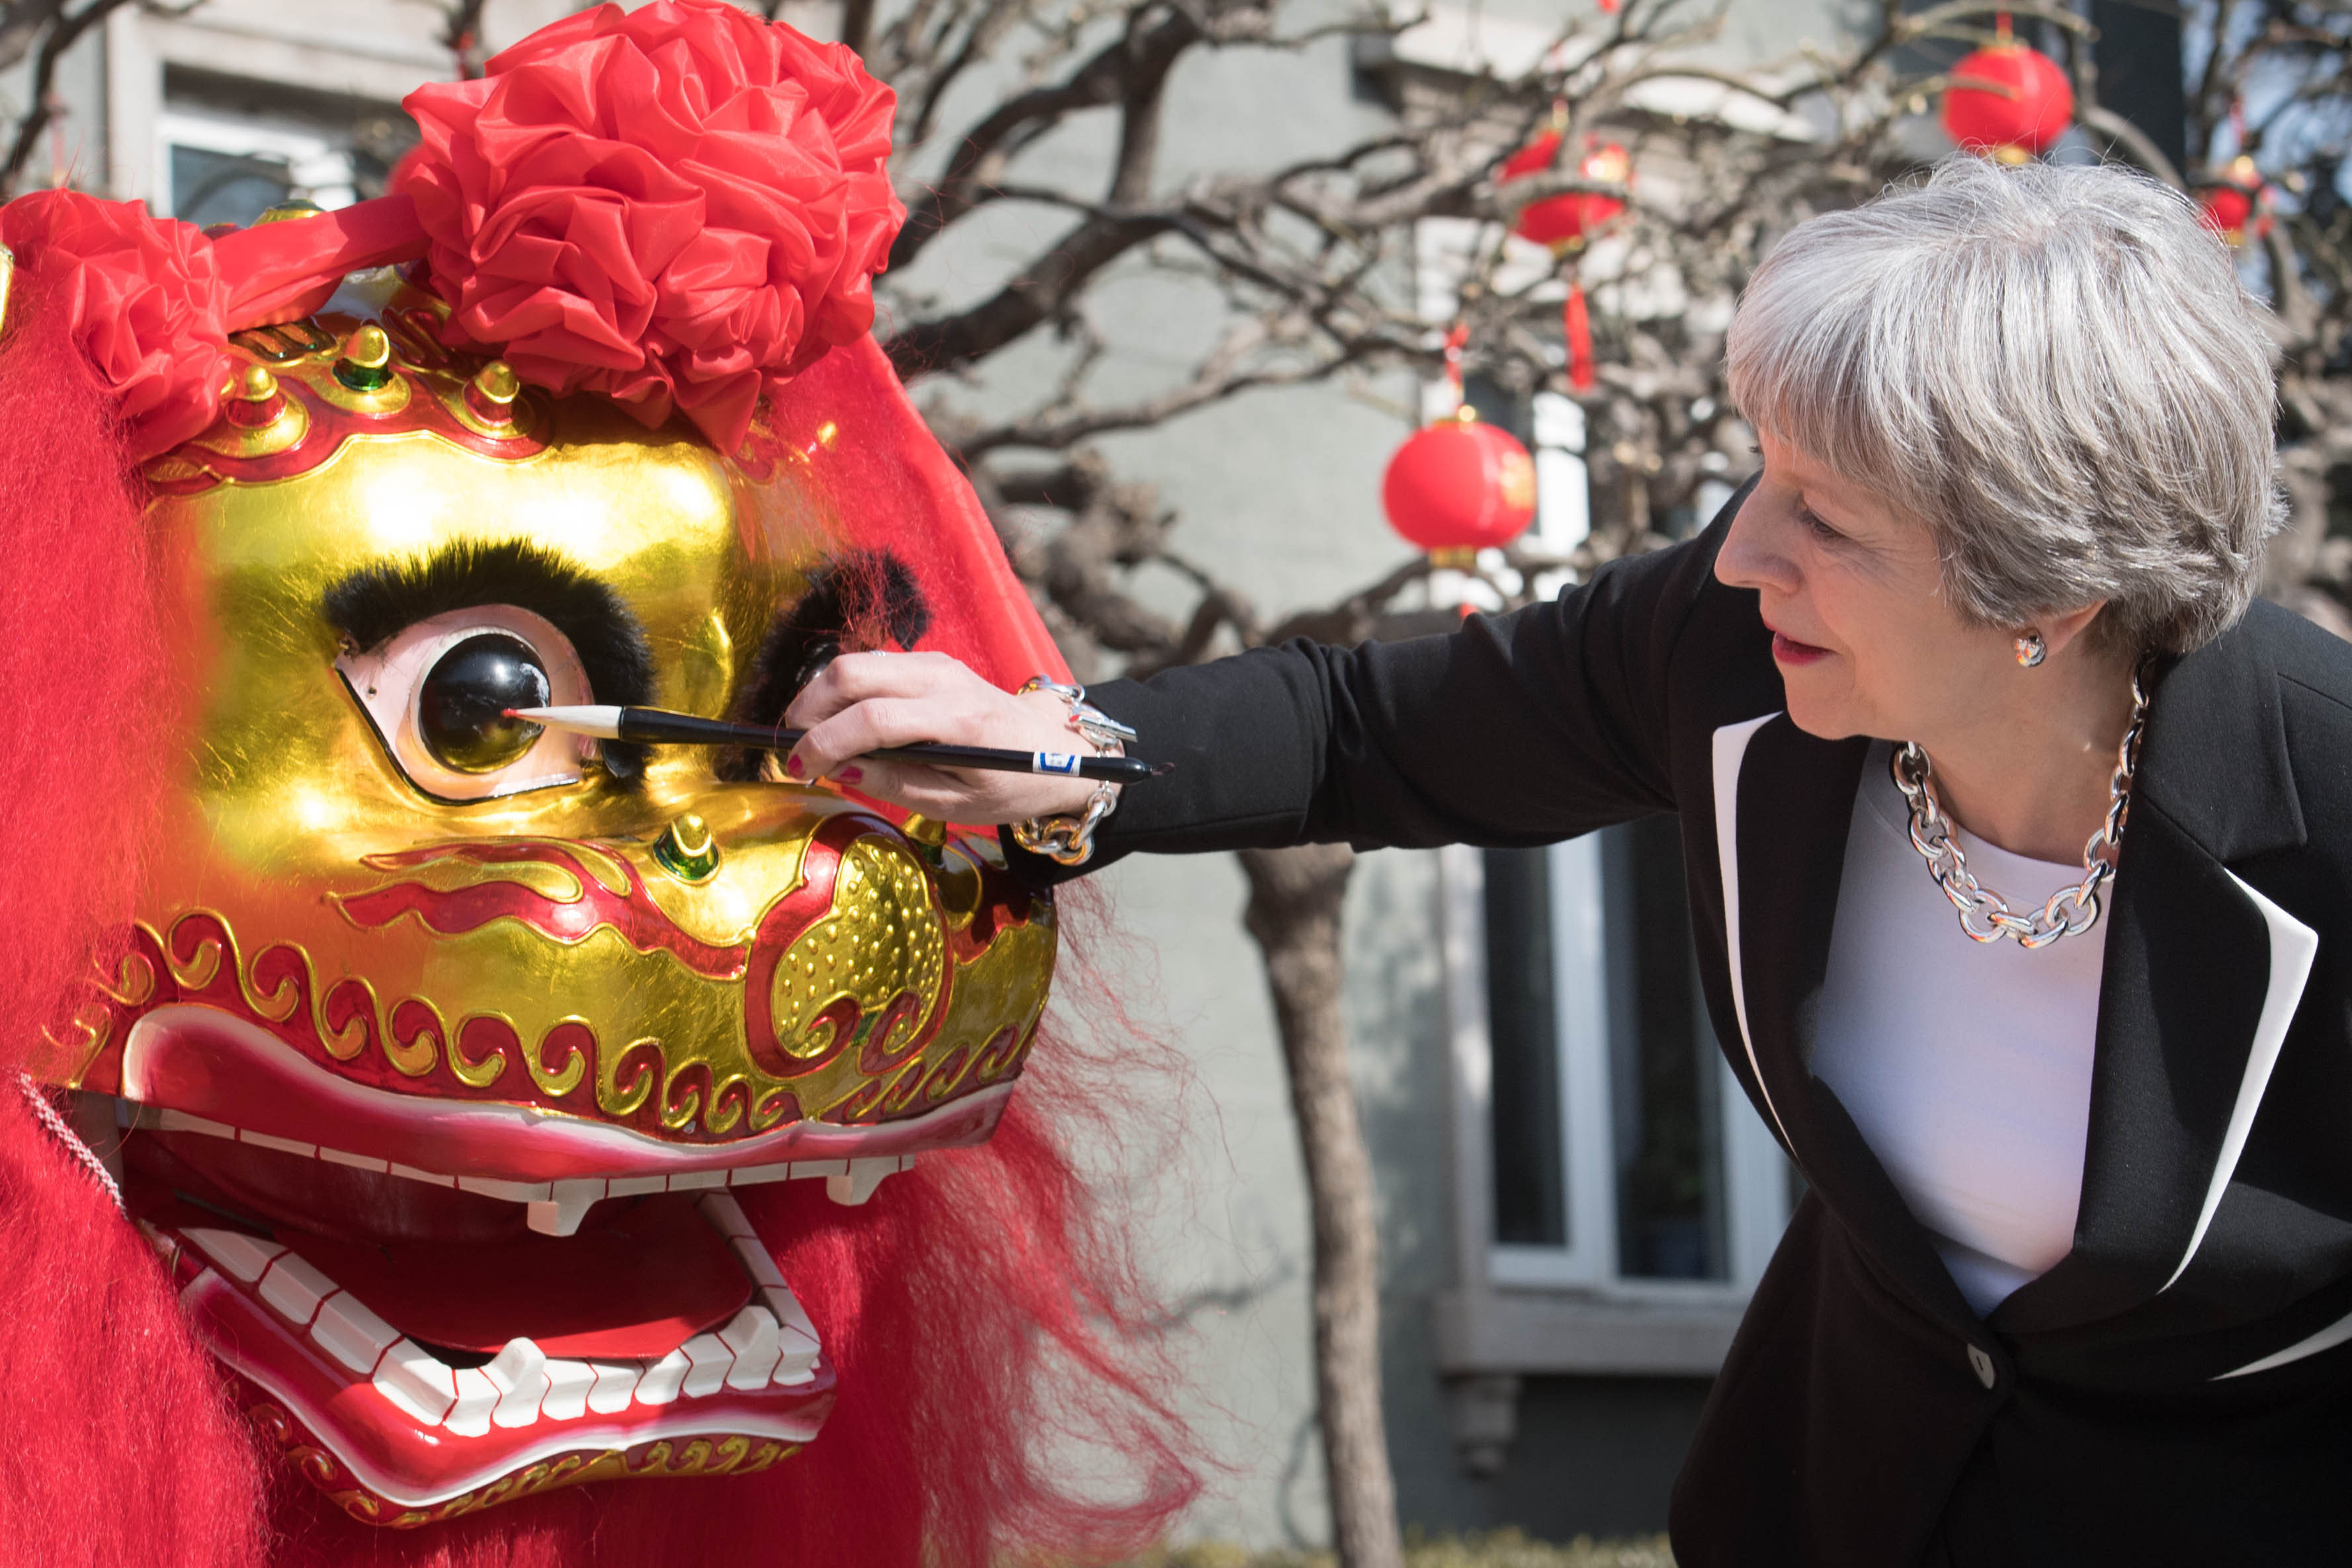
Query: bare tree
461, 34
40, 31
2275, 88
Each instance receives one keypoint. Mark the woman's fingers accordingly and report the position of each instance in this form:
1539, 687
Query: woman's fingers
859, 677
861, 703
870, 725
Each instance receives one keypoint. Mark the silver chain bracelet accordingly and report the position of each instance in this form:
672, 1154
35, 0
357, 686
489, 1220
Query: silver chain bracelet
1070, 840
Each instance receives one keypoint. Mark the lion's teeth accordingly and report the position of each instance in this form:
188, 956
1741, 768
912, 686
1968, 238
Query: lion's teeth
660, 1382
519, 1374
476, 1397
707, 1360
857, 1185
762, 1343
566, 1205
753, 1255
725, 1215
552, 1207
750, 1337
349, 1331
418, 1383
616, 1383
567, 1383
181, 1122
241, 1256
796, 1342
513, 1191
294, 1288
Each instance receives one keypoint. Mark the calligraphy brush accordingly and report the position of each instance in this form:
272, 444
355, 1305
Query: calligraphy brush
659, 727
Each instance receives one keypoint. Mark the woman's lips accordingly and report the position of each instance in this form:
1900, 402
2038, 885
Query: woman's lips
1787, 650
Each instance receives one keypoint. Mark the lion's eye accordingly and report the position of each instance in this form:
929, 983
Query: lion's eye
462, 703
437, 693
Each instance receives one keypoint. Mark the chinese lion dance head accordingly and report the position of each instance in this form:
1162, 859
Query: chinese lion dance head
436, 1122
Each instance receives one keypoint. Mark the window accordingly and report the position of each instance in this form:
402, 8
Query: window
1624, 1155
1604, 1153
227, 149
223, 171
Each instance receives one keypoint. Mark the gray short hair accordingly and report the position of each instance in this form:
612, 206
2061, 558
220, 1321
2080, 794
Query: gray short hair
2054, 368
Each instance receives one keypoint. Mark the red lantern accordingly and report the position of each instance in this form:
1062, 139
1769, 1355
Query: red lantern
1565, 222
1458, 487
2233, 205
2010, 102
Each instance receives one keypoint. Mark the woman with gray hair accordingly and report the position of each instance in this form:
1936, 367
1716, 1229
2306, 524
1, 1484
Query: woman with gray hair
2018, 854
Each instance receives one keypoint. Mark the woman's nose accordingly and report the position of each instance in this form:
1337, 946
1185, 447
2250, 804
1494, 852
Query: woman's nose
1749, 558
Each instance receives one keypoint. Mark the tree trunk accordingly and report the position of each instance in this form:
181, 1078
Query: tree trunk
1294, 913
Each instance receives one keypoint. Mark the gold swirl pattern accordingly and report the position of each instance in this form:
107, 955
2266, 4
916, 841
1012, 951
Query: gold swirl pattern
853, 997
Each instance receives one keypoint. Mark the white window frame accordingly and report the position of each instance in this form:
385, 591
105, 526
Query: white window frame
1755, 1174
318, 170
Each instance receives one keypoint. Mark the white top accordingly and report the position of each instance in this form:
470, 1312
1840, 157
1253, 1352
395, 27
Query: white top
1967, 1066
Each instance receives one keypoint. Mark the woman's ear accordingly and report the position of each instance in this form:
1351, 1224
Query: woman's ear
2059, 630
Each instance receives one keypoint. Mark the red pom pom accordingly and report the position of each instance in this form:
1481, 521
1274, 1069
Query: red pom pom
676, 205
145, 302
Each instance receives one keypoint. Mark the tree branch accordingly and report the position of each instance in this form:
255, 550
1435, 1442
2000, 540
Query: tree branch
64, 32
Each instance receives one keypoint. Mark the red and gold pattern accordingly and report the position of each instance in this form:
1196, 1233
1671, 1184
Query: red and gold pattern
661, 1460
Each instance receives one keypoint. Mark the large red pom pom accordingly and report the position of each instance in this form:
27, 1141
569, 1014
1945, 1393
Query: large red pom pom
676, 205
145, 302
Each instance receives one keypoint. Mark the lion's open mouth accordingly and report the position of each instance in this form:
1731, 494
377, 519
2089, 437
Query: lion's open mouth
561, 1301
432, 1344
448, 1269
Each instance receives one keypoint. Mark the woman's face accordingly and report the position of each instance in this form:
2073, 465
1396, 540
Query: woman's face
1853, 591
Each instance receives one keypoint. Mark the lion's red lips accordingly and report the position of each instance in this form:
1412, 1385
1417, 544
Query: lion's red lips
419, 1425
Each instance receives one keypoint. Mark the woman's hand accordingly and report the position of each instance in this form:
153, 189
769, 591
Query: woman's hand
863, 701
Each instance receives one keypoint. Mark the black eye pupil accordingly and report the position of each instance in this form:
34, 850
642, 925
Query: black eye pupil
461, 705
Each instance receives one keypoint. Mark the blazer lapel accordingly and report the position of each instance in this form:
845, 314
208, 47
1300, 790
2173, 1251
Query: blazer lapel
2201, 978
1791, 798
1782, 803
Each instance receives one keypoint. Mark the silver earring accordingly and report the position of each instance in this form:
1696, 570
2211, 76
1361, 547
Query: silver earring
2030, 650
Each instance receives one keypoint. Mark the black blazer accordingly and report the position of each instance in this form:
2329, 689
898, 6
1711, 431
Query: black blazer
2179, 1388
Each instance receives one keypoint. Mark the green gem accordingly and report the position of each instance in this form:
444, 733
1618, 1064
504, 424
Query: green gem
687, 851
363, 378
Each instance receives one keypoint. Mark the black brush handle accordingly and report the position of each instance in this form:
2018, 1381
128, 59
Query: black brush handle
657, 726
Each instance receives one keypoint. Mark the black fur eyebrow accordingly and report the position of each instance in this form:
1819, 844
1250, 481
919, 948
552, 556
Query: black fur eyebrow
861, 600
376, 602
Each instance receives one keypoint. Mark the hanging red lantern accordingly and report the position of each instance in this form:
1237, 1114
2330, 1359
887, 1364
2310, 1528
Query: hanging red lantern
2233, 207
2009, 101
1458, 487
1565, 222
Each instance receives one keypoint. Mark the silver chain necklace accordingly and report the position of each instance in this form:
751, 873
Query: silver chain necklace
1985, 915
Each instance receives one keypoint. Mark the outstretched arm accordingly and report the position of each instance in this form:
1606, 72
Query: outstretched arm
1516, 729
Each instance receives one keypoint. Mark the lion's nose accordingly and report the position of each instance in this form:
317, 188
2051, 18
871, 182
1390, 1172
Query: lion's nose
687, 851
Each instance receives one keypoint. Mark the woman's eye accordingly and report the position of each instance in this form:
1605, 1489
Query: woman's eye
1812, 522
462, 703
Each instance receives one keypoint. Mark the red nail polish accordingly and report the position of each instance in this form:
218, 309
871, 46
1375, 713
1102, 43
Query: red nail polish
792, 765
852, 775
